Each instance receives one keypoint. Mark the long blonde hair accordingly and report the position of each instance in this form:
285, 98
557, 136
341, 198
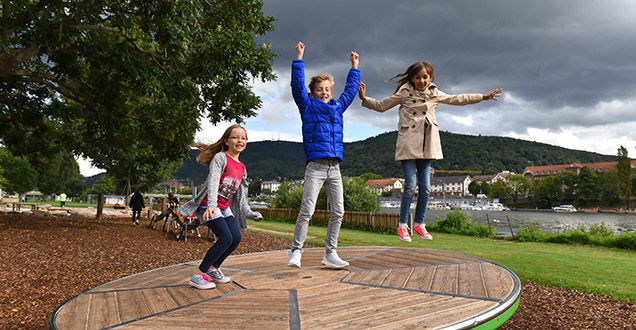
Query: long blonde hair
209, 150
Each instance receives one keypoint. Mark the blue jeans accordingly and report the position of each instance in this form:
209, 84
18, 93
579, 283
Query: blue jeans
228, 236
320, 172
420, 170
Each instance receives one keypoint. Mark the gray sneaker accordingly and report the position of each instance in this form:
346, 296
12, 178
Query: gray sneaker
294, 258
217, 276
332, 260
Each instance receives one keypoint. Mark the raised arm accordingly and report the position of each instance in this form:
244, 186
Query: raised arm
355, 59
300, 51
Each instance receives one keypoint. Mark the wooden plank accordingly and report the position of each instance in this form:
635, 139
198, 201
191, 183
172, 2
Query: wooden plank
421, 278
499, 282
185, 295
445, 279
159, 300
132, 305
103, 310
397, 278
471, 281
376, 277
74, 315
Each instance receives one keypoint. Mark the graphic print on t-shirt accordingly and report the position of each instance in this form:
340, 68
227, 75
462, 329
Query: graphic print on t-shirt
230, 181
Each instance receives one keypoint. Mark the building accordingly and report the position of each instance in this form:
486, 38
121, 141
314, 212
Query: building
272, 186
492, 178
382, 185
537, 172
450, 186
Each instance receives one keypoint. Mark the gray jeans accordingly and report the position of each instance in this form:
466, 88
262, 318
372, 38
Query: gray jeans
320, 172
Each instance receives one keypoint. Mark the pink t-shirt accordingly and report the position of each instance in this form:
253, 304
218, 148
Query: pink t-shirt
229, 183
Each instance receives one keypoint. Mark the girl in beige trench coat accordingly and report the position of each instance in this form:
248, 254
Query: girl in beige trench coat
418, 139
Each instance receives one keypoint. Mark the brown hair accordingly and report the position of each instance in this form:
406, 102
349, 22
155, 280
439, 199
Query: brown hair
209, 150
315, 80
411, 71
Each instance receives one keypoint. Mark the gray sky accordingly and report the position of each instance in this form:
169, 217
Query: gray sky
567, 68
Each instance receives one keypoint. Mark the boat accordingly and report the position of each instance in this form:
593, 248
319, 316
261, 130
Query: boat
435, 205
564, 208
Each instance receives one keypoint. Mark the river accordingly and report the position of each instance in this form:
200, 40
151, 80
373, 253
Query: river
549, 221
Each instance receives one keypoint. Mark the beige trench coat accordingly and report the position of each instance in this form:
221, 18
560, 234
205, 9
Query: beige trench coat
417, 124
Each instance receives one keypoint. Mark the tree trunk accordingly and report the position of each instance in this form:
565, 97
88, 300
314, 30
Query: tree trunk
100, 206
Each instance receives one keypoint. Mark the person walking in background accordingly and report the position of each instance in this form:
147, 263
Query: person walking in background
418, 139
322, 127
137, 204
62, 199
221, 204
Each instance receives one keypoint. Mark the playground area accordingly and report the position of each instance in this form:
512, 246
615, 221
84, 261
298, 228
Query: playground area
66, 251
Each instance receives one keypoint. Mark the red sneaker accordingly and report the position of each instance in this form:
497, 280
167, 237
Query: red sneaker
422, 232
403, 234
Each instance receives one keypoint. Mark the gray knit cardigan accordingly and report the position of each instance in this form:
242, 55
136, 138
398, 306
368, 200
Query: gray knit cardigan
239, 203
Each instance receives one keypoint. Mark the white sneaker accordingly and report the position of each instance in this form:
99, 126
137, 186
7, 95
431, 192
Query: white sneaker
294, 258
332, 260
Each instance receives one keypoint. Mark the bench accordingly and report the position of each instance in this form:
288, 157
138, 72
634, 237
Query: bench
17, 207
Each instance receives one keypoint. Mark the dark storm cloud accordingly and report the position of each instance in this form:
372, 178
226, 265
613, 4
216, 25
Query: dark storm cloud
559, 62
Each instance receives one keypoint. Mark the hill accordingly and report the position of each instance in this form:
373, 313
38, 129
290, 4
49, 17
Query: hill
273, 160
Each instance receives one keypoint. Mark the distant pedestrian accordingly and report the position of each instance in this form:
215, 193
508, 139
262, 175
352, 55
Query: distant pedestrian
418, 139
322, 127
221, 204
62, 199
137, 204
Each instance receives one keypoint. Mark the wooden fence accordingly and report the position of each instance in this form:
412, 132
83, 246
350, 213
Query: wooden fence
369, 221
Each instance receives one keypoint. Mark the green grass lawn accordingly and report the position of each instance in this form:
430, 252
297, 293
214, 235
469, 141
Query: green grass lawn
590, 269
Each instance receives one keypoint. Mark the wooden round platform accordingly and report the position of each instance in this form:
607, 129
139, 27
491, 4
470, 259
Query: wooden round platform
384, 287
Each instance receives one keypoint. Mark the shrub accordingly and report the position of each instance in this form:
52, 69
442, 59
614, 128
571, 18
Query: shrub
532, 232
457, 222
601, 230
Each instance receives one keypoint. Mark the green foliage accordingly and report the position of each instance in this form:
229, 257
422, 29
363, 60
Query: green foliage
358, 196
19, 174
532, 232
105, 185
3, 181
458, 222
597, 234
589, 186
547, 192
125, 83
624, 175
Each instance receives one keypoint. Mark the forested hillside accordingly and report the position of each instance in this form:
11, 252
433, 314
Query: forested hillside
272, 160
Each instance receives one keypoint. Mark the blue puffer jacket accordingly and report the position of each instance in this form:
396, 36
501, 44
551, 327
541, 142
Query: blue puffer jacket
322, 122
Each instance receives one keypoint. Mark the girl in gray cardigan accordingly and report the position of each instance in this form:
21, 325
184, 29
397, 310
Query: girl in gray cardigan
222, 203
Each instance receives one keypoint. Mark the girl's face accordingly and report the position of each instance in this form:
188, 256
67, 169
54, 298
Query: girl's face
237, 141
421, 80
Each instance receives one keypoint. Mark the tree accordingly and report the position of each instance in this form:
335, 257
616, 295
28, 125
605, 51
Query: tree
20, 175
501, 190
519, 185
105, 186
547, 191
589, 187
624, 176
3, 181
609, 181
124, 83
569, 180
56, 173
474, 188
255, 187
